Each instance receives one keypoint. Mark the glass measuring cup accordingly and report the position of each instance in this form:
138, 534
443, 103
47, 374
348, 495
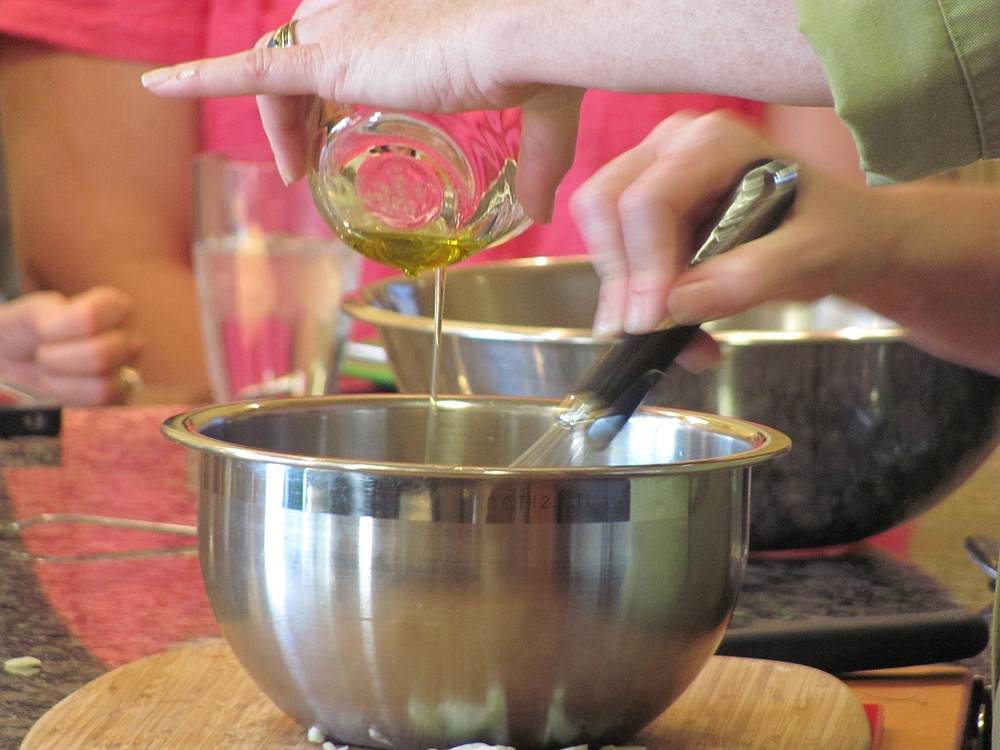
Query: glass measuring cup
417, 191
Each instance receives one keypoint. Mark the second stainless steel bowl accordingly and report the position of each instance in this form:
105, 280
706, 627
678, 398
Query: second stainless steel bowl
881, 430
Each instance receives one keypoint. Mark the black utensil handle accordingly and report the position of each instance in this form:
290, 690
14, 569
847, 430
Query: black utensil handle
627, 361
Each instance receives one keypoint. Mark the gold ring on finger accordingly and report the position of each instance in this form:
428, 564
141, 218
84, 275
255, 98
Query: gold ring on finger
284, 36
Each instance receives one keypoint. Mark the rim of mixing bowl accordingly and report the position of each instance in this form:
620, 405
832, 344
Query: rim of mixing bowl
359, 305
187, 428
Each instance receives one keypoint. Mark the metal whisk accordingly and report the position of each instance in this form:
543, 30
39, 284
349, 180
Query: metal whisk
610, 392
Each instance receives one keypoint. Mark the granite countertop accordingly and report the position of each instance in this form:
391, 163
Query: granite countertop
81, 618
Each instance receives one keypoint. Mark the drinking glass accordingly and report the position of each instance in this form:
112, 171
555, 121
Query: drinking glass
270, 279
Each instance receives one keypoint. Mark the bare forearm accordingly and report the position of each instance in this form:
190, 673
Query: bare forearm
943, 270
462, 55
748, 49
449, 55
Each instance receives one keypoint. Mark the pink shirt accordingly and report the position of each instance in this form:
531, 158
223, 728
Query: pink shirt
169, 31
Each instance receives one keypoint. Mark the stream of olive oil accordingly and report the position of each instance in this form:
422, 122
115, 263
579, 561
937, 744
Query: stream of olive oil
413, 254
433, 246
431, 437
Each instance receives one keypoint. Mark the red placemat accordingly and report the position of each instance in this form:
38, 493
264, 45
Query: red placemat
116, 463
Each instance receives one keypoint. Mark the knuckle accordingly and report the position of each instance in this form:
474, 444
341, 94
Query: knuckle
592, 197
697, 133
256, 63
640, 198
581, 200
330, 71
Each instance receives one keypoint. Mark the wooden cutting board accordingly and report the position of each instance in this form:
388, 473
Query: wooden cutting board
199, 698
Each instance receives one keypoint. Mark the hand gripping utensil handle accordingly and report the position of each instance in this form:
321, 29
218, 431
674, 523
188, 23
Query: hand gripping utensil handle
614, 387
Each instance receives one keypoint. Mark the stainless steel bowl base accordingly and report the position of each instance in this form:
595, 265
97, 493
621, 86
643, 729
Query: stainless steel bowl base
881, 430
395, 603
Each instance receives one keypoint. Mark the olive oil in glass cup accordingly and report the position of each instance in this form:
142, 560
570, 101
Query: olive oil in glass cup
417, 191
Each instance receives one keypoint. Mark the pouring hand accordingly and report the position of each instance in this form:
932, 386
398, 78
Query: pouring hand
437, 62
461, 55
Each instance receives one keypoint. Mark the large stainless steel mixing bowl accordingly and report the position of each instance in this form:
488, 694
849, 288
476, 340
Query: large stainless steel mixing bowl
396, 603
881, 430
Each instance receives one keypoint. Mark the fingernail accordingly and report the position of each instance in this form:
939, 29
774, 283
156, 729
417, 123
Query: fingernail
683, 301
155, 77
159, 76
291, 167
287, 174
605, 326
642, 314
604, 330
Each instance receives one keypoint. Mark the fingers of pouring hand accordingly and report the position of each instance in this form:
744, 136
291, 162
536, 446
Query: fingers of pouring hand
425, 59
299, 69
548, 143
318, 60
289, 129
286, 119
343, 52
285, 80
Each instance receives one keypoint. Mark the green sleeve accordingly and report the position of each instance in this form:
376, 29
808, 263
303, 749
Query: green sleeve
917, 81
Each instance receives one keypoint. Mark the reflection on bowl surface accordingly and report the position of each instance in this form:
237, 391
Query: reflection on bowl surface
394, 603
881, 430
